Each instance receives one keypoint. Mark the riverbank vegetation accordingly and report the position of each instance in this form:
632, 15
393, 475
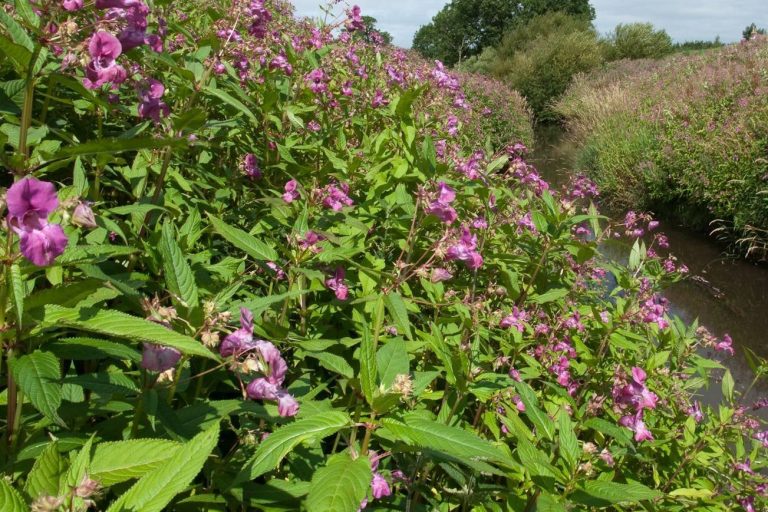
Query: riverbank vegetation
255, 263
684, 136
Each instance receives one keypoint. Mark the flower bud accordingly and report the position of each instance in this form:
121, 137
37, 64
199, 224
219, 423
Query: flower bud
83, 216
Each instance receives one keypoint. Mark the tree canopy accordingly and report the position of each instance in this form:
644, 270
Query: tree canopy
464, 28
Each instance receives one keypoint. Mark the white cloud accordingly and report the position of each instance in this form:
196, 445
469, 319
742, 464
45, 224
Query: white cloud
683, 19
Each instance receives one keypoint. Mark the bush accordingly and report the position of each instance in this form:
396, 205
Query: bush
705, 154
251, 263
638, 41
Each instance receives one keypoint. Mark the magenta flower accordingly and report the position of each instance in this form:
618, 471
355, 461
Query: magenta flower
120, 4
637, 425
310, 241
465, 249
695, 412
287, 405
72, 5
151, 106
337, 284
104, 49
250, 166
441, 207
516, 319
439, 275
726, 345
159, 358
380, 487
30, 202
635, 393
291, 194
281, 62
336, 198
354, 21
317, 81
241, 340
379, 100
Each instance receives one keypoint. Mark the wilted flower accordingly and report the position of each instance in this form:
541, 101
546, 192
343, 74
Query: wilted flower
440, 274
159, 358
83, 215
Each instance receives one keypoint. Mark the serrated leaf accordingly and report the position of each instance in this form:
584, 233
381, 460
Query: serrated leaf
728, 386
178, 274
229, 99
79, 467
10, 499
17, 292
333, 363
120, 325
113, 146
117, 462
283, 440
156, 489
90, 349
77, 254
599, 493
341, 485
567, 440
399, 313
37, 375
392, 360
368, 369
543, 423
44, 478
17, 33
247, 243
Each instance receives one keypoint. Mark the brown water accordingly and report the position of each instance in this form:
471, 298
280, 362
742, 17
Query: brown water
727, 295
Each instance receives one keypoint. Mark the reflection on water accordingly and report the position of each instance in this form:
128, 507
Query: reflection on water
727, 296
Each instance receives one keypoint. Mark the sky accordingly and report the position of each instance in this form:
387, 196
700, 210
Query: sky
684, 20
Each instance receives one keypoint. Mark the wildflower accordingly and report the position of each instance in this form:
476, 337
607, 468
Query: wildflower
380, 486
250, 166
151, 106
87, 488
379, 100
745, 467
291, 194
725, 345
441, 207
516, 319
310, 241
637, 425
104, 49
465, 249
72, 5
281, 62
336, 283
316, 79
260, 16
607, 457
279, 272
440, 274
159, 358
240, 340
635, 392
354, 21
403, 384
336, 198
83, 215
29, 203
748, 503
287, 405
695, 412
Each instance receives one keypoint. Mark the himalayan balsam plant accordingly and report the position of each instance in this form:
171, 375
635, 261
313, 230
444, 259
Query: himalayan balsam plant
252, 262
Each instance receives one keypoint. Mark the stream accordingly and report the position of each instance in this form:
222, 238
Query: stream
728, 296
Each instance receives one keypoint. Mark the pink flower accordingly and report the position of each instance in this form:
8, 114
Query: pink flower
317, 81
464, 249
637, 425
279, 272
441, 207
354, 21
241, 340
158, 358
726, 345
336, 198
695, 412
440, 274
516, 319
291, 194
261, 389
250, 166
151, 106
635, 393
104, 49
379, 486
287, 405
336, 283
30, 202
72, 5
379, 100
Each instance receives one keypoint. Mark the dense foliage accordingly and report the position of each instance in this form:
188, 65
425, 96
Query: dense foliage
464, 28
255, 264
686, 136
637, 41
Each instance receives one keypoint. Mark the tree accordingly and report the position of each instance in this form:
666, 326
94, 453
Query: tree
751, 31
464, 28
638, 41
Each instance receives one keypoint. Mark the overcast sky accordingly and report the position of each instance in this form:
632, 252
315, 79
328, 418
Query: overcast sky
683, 19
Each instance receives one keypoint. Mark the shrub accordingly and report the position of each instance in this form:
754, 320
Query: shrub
250, 264
638, 41
705, 159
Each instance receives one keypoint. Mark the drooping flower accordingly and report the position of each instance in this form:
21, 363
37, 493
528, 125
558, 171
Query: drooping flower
250, 166
441, 207
30, 202
380, 486
337, 284
159, 358
635, 393
379, 100
83, 215
439, 275
636, 424
240, 340
354, 20
725, 345
695, 412
291, 194
72, 5
336, 197
516, 319
287, 405
151, 105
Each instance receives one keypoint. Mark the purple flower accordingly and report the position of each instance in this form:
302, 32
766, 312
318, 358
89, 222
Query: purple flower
354, 21
316, 79
151, 106
516, 319
464, 249
281, 62
637, 425
379, 100
72, 5
30, 202
104, 49
336, 283
726, 345
635, 393
250, 166
379, 486
291, 194
287, 405
439, 275
695, 412
441, 207
336, 198
120, 4
241, 340
279, 272
159, 358
261, 389
83, 215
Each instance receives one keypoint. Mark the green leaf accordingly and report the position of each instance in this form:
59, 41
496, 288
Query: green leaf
91, 349
230, 100
392, 360
18, 292
247, 243
156, 489
17, 33
45, 477
79, 467
599, 493
550, 296
120, 325
333, 363
368, 368
10, 499
283, 440
543, 423
728, 385
75, 255
454, 441
399, 313
38, 375
341, 485
16, 53
113, 146
117, 462
567, 440
178, 274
